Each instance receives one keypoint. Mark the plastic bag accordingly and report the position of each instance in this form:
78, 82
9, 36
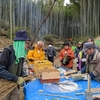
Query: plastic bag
61, 87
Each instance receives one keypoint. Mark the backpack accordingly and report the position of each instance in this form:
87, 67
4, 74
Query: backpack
10, 61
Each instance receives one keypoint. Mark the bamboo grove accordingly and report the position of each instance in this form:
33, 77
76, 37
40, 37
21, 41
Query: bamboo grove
80, 18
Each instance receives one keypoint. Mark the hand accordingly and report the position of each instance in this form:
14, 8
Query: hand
84, 60
20, 81
79, 72
31, 60
85, 77
76, 59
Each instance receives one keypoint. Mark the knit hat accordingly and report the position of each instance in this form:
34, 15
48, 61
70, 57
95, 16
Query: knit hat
21, 35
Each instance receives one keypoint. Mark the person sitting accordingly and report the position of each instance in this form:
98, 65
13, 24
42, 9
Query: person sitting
92, 61
66, 56
37, 53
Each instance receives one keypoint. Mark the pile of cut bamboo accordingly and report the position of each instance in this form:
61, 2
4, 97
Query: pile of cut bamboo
6, 87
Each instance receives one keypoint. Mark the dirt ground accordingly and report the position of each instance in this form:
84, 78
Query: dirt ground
4, 42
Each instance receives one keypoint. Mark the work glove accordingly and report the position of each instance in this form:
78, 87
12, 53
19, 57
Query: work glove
85, 77
79, 72
76, 60
20, 81
84, 60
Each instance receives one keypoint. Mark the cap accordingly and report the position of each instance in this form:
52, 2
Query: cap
87, 46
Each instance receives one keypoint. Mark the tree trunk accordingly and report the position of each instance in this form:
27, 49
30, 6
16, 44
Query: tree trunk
36, 33
11, 19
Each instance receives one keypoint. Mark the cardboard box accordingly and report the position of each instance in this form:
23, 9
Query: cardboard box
49, 80
50, 75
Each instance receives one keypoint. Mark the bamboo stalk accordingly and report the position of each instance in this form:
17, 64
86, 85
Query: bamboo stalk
6, 87
89, 83
60, 96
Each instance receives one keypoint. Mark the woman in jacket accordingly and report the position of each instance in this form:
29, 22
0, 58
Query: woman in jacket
66, 56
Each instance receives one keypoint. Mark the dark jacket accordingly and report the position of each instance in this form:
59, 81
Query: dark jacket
6, 60
51, 52
96, 47
78, 49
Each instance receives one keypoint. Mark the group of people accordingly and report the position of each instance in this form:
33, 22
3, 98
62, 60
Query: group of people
88, 57
39, 53
13, 57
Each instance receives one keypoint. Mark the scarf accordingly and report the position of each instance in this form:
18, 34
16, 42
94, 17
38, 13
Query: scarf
20, 52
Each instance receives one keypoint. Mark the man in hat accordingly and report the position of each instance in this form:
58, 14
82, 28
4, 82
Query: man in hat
92, 61
11, 62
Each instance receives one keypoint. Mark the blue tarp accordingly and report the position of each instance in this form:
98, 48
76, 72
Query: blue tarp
31, 91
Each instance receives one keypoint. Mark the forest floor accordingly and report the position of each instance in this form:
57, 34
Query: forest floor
6, 42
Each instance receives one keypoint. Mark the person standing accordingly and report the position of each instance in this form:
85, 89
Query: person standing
51, 52
11, 62
92, 61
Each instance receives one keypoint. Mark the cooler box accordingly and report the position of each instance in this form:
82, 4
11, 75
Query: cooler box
40, 65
